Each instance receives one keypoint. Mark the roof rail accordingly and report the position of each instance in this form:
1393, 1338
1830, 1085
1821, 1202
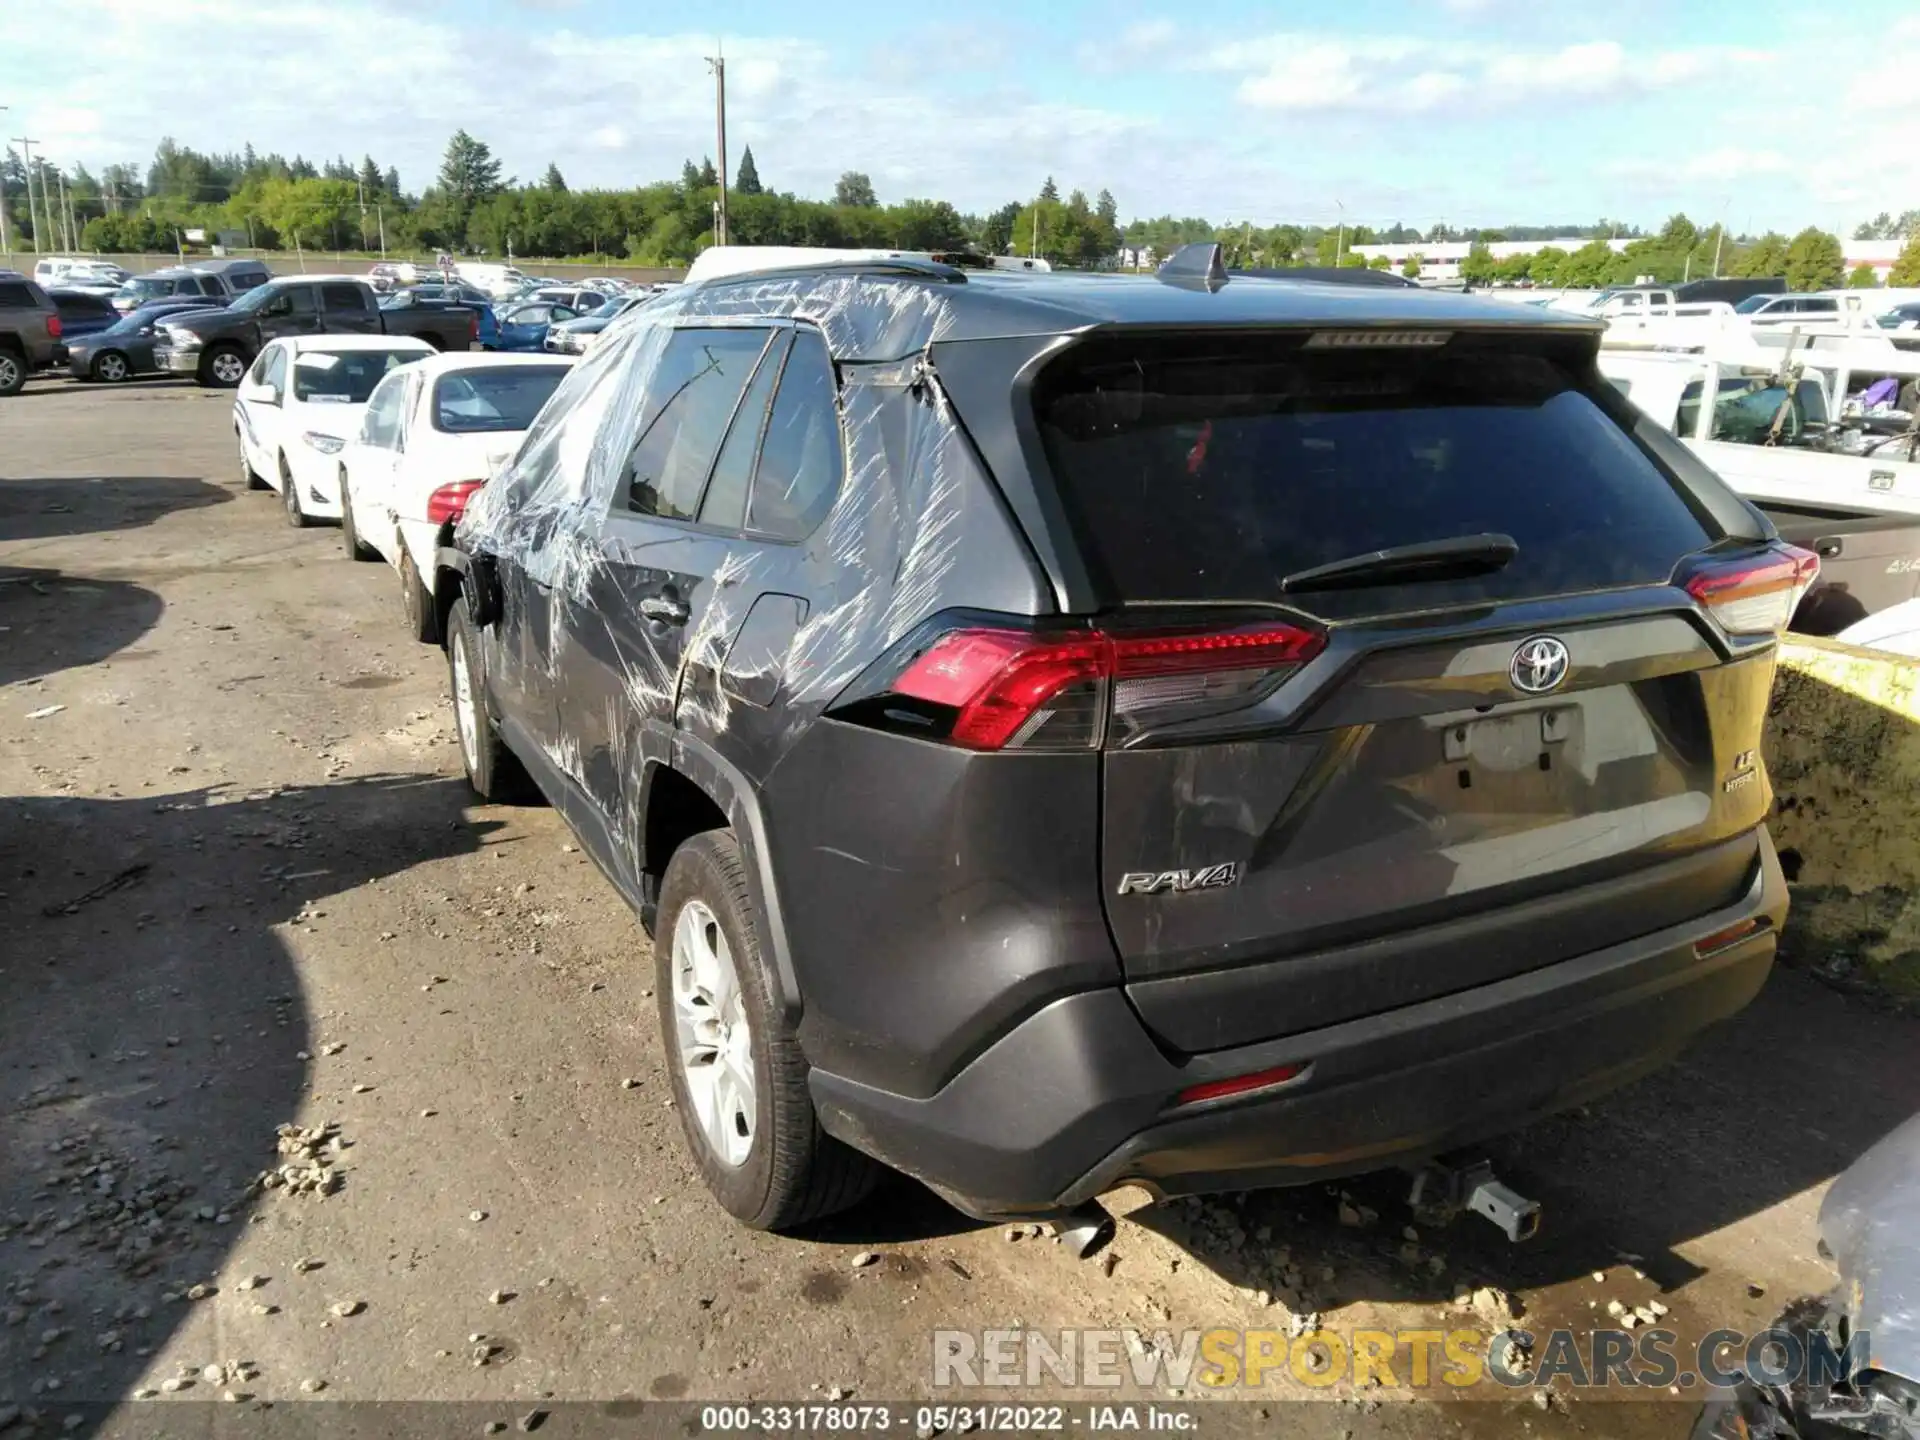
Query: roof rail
1193, 267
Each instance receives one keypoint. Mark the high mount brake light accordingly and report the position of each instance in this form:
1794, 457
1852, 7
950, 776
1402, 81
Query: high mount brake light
1756, 596
1012, 689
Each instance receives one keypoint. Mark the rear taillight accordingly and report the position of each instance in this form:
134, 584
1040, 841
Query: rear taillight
1755, 595
991, 688
449, 502
473, 326
53, 327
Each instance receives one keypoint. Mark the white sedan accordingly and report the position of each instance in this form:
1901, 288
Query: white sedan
299, 404
433, 433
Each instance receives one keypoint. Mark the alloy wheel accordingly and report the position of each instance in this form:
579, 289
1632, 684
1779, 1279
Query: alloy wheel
713, 1039
465, 712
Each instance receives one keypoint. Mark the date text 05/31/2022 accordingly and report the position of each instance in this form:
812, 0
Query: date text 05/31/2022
943, 1419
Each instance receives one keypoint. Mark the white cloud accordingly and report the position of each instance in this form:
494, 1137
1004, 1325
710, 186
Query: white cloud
394, 80
1405, 74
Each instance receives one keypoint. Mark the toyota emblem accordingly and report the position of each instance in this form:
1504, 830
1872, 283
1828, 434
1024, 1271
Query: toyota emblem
1539, 665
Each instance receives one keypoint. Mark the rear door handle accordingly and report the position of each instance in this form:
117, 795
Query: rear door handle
665, 609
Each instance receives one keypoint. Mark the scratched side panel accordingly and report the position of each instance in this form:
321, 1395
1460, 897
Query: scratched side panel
933, 896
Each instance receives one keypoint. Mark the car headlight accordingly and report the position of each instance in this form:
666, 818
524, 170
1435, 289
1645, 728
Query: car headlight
180, 339
325, 444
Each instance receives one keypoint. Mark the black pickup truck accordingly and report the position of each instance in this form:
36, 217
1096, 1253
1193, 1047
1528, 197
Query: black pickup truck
216, 346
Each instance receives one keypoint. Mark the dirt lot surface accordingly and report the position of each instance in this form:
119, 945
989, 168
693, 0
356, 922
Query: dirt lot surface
243, 887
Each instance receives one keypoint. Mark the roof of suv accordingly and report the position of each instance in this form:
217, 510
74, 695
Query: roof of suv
889, 309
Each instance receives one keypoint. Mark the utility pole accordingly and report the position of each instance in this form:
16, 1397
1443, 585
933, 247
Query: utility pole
718, 64
1340, 245
33, 218
380, 215
6, 239
66, 212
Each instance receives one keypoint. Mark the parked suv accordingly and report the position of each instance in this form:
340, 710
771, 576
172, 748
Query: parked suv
29, 331
1063, 731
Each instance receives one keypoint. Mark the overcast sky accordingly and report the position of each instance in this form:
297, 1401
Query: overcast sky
1469, 111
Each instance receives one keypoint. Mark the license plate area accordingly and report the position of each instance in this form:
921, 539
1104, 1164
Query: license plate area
1541, 739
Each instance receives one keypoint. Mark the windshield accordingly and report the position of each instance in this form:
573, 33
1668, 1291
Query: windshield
481, 401
254, 299
146, 287
344, 377
608, 309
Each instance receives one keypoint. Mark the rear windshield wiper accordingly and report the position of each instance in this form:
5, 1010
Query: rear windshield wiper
1427, 560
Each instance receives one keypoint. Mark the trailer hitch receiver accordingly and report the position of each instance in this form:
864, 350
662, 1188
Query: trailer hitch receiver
1443, 1189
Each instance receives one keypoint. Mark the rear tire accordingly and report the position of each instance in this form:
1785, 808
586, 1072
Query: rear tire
247, 473
13, 371
357, 549
290, 497
223, 367
785, 1170
111, 366
494, 771
416, 601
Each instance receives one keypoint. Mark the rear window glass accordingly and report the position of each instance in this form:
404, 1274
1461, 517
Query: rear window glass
344, 377
494, 400
1207, 469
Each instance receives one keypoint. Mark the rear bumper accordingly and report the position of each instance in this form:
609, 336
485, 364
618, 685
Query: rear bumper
1078, 1099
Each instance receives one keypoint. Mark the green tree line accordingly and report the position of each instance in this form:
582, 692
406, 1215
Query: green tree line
473, 206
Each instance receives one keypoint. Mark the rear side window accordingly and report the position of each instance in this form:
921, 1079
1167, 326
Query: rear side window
14, 295
342, 297
801, 459
1206, 468
690, 397
726, 502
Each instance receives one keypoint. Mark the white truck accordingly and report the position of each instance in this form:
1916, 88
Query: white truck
1771, 432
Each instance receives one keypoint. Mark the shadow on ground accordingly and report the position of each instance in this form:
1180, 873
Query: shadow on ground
152, 1026
51, 621
48, 508
1777, 1100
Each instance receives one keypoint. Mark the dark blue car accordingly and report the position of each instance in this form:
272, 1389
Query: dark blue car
82, 313
125, 348
415, 296
524, 327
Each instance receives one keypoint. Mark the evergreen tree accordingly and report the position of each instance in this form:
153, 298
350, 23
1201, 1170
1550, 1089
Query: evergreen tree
469, 173
1815, 261
689, 176
370, 181
1050, 192
747, 181
709, 177
1906, 267
390, 182
553, 180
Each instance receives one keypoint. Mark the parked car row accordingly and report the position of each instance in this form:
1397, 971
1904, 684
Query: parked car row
99, 324
386, 435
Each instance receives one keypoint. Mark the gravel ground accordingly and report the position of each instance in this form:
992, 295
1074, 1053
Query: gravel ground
252, 918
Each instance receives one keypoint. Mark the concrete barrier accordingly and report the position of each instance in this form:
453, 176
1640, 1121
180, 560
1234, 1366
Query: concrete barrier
1843, 751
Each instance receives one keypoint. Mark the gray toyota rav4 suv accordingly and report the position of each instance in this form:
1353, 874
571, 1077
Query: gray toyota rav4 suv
1209, 732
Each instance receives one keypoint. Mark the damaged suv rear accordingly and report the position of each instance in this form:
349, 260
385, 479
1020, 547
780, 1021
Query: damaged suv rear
1064, 730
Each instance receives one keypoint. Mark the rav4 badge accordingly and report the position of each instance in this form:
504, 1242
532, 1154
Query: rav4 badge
1180, 882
